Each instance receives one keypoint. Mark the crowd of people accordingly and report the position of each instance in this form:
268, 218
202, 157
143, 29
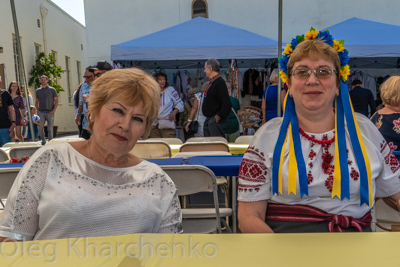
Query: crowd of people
308, 171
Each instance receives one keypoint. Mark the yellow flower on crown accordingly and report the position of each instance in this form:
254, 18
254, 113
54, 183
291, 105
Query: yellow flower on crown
288, 50
344, 72
312, 34
338, 46
284, 77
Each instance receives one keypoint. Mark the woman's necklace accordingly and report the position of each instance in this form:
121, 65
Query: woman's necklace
313, 139
88, 151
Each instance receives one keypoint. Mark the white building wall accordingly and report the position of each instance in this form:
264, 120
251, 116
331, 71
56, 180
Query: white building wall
64, 35
113, 22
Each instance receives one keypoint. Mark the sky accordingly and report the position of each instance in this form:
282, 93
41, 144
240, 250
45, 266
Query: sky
74, 8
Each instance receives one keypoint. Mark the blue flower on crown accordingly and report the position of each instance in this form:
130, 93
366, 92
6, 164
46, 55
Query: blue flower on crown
326, 36
344, 57
295, 41
283, 63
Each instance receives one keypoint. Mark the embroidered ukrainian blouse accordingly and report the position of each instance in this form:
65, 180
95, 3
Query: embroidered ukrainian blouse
59, 193
255, 175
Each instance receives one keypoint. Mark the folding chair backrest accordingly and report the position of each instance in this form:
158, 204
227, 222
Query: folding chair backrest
204, 146
17, 152
7, 177
151, 150
3, 156
244, 139
206, 139
191, 179
170, 141
200, 153
60, 140
19, 144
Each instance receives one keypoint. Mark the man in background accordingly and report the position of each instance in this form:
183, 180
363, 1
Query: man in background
93, 73
7, 124
362, 98
217, 104
46, 104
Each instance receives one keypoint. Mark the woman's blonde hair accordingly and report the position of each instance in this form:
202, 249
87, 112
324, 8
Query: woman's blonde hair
390, 91
314, 49
133, 86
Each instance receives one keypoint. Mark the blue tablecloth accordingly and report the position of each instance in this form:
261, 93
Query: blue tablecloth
220, 165
11, 165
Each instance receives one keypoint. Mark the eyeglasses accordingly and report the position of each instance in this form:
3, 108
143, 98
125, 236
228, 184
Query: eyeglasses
321, 73
87, 77
98, 74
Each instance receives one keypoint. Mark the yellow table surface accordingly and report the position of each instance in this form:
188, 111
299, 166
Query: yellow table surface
322, 249
234, 148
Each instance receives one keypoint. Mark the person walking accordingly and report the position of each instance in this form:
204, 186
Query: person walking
361, 98
46, 103
217, 104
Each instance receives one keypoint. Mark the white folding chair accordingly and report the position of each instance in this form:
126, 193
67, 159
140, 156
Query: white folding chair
191, 179
207, 139
244, 139
170, 141
151, 149
386, 216
68, 139
3, 156
17, 152
204, 146
7, 177
21, 144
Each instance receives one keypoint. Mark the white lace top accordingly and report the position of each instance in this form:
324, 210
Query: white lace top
59, 193
255, 175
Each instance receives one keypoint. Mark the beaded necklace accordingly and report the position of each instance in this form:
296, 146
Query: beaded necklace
313, 139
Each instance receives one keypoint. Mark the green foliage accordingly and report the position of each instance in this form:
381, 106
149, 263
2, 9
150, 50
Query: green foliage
46, 65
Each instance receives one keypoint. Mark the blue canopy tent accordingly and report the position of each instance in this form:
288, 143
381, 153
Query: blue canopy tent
371, 44
192, 42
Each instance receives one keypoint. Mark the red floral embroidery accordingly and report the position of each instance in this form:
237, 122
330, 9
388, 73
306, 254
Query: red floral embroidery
329, 183
310, 178
354, 174
253, 171
392, 146
312, 154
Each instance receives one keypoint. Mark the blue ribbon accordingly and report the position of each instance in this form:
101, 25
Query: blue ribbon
301, 166
341, 141
279, 144
355, 143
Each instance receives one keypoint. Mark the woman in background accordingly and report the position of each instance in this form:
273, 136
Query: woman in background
387, 119
19, 108
269, 103
170, 105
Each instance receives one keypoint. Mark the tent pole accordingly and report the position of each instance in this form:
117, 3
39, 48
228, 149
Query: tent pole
279, 54
22, 68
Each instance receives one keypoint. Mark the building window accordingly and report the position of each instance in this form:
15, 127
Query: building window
54, 53
17, 66
199, 9
37, 50
68, 72
38, 23
78, 68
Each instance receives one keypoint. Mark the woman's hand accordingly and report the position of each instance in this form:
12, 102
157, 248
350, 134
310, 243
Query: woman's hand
173, 114
187, 126
22, 122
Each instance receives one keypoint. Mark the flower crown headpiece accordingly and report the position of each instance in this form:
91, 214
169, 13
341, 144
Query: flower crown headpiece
289, 133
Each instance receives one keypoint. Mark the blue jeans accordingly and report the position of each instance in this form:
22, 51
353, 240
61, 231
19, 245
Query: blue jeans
4, 136
46, 116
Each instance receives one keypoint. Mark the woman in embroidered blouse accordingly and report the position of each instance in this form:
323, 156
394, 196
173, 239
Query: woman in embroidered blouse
387, 119
19, 108
269, 105
170, 105
96, 187
322, 196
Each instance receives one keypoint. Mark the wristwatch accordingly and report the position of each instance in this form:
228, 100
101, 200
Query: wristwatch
13, 122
